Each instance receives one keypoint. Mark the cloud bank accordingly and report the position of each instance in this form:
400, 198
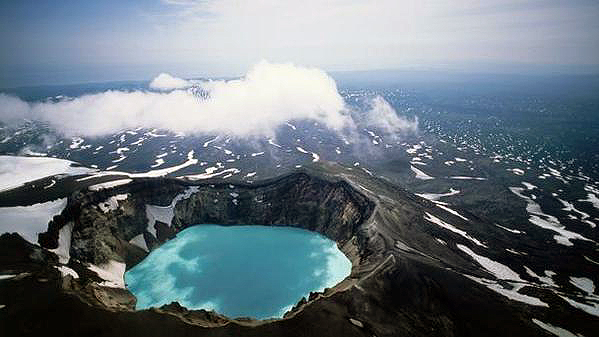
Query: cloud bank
268, 96
168, 82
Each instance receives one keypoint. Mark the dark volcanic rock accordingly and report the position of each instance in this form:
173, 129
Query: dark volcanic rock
164, 232
402, 282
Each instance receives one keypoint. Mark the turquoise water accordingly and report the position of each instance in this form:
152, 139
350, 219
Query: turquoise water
254, 271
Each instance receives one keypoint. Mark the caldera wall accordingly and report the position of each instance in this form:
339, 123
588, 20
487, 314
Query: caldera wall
332, 208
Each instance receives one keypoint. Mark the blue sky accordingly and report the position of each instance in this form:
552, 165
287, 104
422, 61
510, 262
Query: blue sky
61, 42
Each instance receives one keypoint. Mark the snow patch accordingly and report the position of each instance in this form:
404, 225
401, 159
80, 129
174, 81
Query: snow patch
419, 174
431, 218
583, 284
64, 270
537, 217
516, 171
512, 293
210, 173
29, 221
447, 209
140, 242
109, 184
467, 178
497, 269
515, 231
437, 196
112, 203
64, 243
112, 273
165, 214
16, 171
556, 330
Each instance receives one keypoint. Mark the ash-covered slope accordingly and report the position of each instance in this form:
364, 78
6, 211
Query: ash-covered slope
419, 268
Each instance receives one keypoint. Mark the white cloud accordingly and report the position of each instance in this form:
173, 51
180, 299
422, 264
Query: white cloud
383, 116
168, 82
269, 95
12, 109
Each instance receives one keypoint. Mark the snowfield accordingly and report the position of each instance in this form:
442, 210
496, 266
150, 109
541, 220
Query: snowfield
16, 171
29, 221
